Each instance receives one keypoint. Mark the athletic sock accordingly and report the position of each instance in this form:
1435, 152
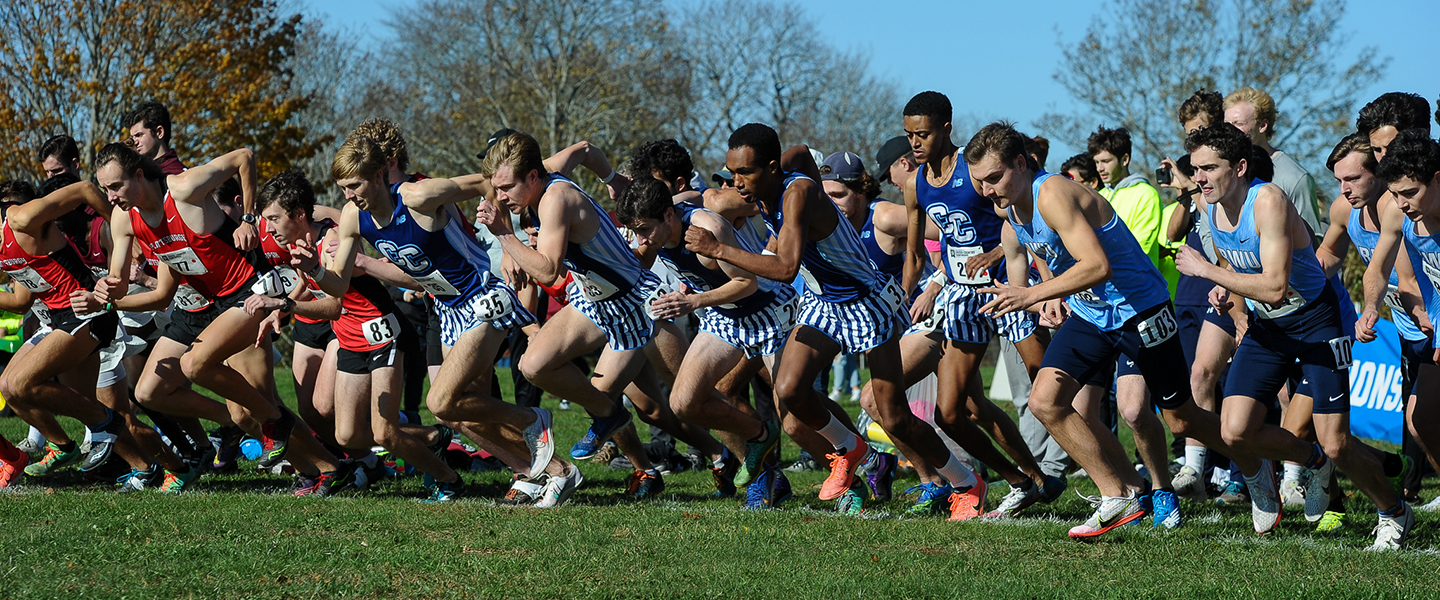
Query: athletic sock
764, 434
1195, 457
1024, 485
1293, 471
1394, 511
718, 463
1317, 457
1392, 464
838, 434
959, 476
36, 438
652, 472
102, 425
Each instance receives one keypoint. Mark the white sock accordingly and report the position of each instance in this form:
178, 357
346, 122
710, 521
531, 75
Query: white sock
838, 434
1293, 471
959, 476
88, 435
36, 437
1195, 457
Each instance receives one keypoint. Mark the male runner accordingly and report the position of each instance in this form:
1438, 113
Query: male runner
151, 135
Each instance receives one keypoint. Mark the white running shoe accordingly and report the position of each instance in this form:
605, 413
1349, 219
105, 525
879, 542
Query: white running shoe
1112, 512
1291, 492
1015, 501
558, 489
1188, 485
540, 439
1390, 532
29, 447
1317, 492
1432, 506
1265, 506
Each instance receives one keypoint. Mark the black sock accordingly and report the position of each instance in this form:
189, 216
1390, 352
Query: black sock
67, 446
1024, 485
1392, 464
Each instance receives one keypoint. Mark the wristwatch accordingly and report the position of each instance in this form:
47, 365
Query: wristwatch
289, 305
248, 218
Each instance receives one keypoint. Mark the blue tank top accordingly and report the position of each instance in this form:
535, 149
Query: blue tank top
836, 268
449, 263
967, 220
1135, 284
889, 264
1365, 242
1241, 247
605, 266
1424, 253
699, 277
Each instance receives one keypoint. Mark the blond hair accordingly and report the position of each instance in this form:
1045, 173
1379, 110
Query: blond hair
387, 134
1264, 105
518, 150
359, 157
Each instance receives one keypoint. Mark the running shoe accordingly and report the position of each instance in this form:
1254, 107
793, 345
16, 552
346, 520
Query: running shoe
10, 469
326, 485
442, 441
1111, 512
31, 447
1407, 464
441, 491
137, 480
1317, 491
724, 475
54, 459
300, 483
850, 503
564, 405
1166, 509
934, 498
1016, 500
1391, 531
805, 462
227, 456
202, 461
768, 490
968, 504
275, 439
1188, 484
842, 469
643, 485
757, 455
524, 490
607, 453
1332, 521
880, 475
1292, 493
1432, 506
102, 444
1053, 488
1234, 493
1265, 507
175, 483
559, 489
541, 441
601, 428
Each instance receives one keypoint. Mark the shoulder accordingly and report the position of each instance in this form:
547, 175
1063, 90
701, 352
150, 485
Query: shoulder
890, 217
1270, 200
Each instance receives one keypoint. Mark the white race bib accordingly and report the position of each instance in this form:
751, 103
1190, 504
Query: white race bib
1342, 348
1159, 327
184, 261
595, 287
957, 256
189, 300
42, 312
270, 283
811, 283
1089, 298
1392, 299
290, 278
435, 283
786, 313
893, 296
654, 296
1293, 301
380, 330
31, 279
492, 306
932, 322
1432, 272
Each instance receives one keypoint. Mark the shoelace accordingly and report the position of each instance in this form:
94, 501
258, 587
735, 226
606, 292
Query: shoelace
1094, 501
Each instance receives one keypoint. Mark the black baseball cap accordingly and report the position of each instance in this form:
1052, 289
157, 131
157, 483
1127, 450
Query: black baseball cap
490, 143
890, 151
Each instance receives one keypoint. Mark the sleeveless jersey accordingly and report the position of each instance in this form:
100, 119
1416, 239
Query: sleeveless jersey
1134, 285
696, 275
605, 266
209, 262
50, 278
448, 263
967, 221
278, 255
1241, 248
1424, 253
368, 319
1365, 241
889, 264
836, 268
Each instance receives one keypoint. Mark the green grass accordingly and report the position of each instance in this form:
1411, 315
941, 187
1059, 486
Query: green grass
238, 536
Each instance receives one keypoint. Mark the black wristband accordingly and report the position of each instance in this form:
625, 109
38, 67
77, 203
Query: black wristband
289, 305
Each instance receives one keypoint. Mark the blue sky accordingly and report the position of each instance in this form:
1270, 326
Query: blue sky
1403, 30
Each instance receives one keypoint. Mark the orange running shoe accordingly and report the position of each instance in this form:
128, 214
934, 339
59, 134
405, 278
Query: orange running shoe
10, 468
842, 470
970, 503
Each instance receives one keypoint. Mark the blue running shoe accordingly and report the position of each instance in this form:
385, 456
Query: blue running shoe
441, 491
600, 430
1166, 509
880, 475
934, 498
768, 490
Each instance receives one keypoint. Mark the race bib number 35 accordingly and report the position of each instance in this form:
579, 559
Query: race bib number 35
492, 306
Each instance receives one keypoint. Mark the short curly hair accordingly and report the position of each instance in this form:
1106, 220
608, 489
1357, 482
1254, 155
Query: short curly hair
387, 134
1203, 103
1227, 140
1413, 154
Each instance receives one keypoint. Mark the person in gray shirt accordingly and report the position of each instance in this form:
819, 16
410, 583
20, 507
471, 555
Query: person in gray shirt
1253, 111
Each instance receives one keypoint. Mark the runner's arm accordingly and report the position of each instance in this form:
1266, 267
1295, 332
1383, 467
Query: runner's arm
334, 280
1273, 225
915, 252
194, 185
429, 195
788, 243
17, 301
166, 282
1336, 245
545, 262
1382, 262
32, 216
727, 203
742, 283
1064, 213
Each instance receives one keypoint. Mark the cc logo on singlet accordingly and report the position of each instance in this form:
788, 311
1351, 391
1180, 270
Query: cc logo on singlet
954, 224
409, 257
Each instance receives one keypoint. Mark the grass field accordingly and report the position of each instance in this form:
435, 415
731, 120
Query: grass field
239, 536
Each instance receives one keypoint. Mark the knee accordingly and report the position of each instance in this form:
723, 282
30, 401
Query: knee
385, 434
12, 392
788, 389
532, 365
954, 414
1236, 436
441, 406
192, 364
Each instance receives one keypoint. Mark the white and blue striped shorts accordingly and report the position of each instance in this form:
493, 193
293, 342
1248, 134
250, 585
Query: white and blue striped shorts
456, 320
858, 325
622, 317
962, 320
760, 334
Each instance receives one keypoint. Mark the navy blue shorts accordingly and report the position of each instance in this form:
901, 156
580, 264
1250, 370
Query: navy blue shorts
1221, 320
1190, 319
1313, 337
1150, 339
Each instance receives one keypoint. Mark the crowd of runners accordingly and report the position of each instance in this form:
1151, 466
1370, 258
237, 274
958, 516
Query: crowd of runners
1219, 315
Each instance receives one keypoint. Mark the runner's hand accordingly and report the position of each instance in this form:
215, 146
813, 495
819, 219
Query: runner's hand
259, 303
702, 241
1220, 298
674, 304
1365, 326
981, 262
108, 289
491, 217
84, 303
1008, 299
303, 255
271, 324
247, 237
1190, 262
1054, 312
924, 304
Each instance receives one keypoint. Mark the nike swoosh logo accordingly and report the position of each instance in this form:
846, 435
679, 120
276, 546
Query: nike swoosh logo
1334, 398
1170, 397
169, 219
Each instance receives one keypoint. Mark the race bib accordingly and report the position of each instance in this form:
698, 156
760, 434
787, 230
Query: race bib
1089, 298
42, 312
1341, 347
434, 282
785, 314
492, 306
380, 330
652, 298
956, 257
189, 300
1293, 301
31, 279
892, 295
270, 283
1432, 272
1392, 299
932, 322
289, 278
811, 283
184, 261
595, 287
1157, 329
